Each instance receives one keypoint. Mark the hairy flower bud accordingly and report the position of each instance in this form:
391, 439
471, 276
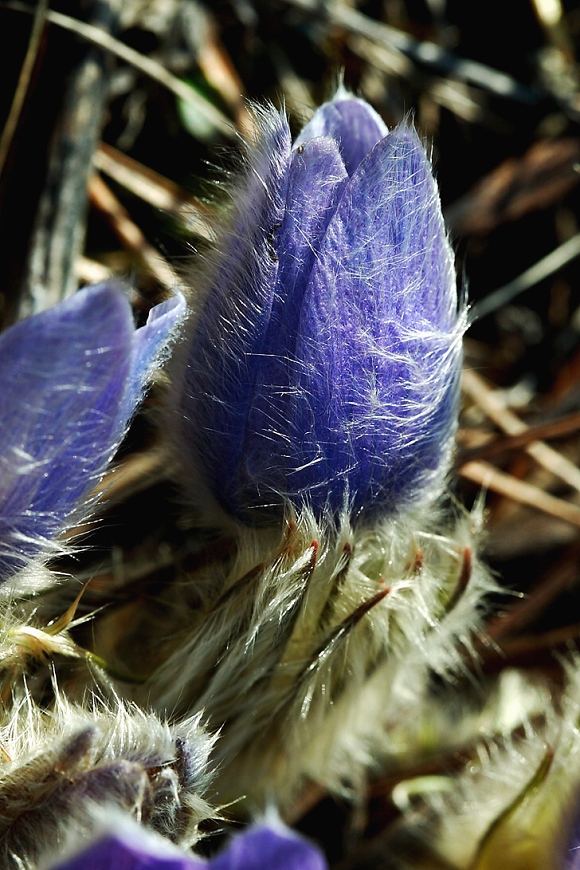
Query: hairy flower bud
320, 383
324, 365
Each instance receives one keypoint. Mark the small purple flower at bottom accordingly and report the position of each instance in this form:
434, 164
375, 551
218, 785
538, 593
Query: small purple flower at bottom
263, 847
131, 848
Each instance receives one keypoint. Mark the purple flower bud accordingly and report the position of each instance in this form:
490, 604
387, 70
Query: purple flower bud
352, 123
324, 365
72, 378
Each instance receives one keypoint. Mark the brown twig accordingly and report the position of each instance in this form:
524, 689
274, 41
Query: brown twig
497, 445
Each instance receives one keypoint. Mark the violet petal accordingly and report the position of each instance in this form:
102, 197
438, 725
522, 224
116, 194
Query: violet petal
73, 376
224, 353
316, 180
149, 345
354, 125
64, 379
379, 340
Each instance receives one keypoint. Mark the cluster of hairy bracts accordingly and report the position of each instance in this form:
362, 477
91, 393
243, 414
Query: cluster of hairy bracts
27, 643
60, 765
293, 644
323, 361
517, 802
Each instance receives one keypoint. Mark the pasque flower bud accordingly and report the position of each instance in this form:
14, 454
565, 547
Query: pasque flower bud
320, 384
324, 365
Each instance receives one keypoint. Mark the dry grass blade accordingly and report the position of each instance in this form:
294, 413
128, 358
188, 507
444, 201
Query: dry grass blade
90, 272
550, 14
219, 71
153, 188
453, 95
545, 267
11, 124
518, 490
58, 215
493, 446
485, 398
546, 173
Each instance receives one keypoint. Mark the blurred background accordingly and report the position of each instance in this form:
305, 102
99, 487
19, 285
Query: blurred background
117, 120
